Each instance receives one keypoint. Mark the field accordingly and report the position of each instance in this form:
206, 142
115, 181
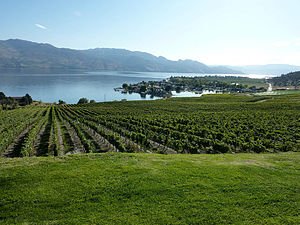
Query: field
122, 188
279, 92
123, 185
210, 124
240, 80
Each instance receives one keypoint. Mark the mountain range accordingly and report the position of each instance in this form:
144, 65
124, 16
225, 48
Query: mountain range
21, 55
269, 69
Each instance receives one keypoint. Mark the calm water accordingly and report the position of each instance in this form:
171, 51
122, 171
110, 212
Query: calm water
71, 87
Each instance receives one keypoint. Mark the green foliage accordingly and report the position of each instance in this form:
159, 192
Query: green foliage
61, 102
221, 82
26, 100
125, 188
13, 102
8, 103
290, 79
143, 88
226, 84
2, 96
28, 145
210, 124
83, 101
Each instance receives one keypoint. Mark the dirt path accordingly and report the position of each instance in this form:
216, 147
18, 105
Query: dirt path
61, 147
162, 148
105, 145
135, 147
78, 146
14, 149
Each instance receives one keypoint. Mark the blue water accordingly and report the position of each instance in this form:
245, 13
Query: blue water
98, 86
71, 87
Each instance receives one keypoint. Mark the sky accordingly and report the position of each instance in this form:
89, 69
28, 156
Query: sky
215, 32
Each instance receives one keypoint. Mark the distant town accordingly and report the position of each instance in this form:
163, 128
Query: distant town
215, 84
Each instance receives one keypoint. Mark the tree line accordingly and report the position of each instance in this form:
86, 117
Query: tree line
8, 102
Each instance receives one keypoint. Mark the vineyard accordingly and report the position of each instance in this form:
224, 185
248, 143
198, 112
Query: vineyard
210, 124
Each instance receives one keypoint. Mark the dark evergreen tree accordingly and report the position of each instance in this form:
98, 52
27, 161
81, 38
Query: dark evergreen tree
83, 101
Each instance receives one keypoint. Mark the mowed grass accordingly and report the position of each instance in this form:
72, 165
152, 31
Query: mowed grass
116, 188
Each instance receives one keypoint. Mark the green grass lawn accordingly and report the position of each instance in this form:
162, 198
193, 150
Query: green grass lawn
151, 189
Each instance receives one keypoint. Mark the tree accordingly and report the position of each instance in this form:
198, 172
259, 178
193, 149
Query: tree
143, 88
9, 103
83, 101
125, 86
168, 88
61, 102
2, 96
26, 100
92, 101
178, 89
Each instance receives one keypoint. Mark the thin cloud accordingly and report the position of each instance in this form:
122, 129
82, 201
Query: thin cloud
40, 26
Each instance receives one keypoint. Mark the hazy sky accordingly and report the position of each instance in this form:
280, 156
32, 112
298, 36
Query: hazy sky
236, 32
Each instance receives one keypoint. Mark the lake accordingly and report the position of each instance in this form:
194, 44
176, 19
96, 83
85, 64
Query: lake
98, 86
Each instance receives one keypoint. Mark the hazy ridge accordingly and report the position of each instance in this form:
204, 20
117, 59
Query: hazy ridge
269, 69
21, 55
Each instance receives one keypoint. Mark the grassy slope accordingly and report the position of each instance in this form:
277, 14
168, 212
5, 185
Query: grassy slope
151, 189
241, 80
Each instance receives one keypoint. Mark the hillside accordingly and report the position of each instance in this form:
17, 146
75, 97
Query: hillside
25, 55
270, 69
285, 80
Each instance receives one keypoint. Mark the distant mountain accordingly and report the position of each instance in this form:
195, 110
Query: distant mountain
23, 55
270, 69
